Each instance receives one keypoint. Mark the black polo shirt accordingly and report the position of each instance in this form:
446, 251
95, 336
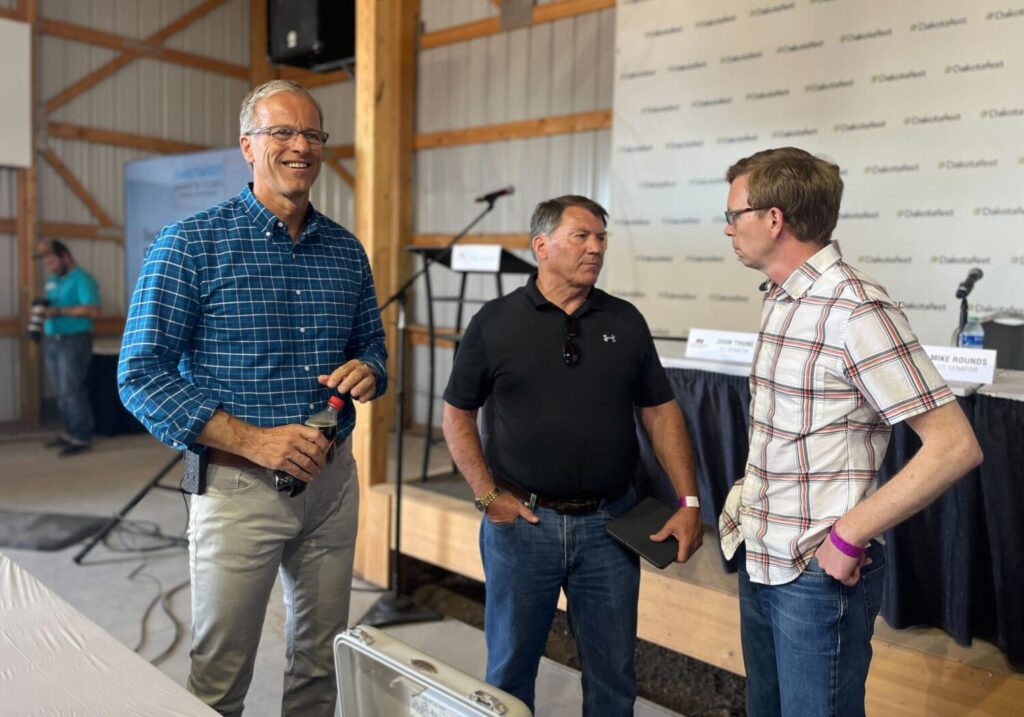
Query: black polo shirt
555, 430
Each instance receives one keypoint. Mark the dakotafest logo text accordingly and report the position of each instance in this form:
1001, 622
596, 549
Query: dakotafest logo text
956, 260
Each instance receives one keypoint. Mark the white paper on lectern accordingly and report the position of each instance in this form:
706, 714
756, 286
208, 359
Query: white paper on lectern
963, 365
476, 257
737, 346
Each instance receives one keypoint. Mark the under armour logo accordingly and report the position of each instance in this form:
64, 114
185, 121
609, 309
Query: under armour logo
608, 338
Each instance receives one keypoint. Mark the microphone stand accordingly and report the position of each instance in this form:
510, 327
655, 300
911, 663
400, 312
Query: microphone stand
963, 321
394, 608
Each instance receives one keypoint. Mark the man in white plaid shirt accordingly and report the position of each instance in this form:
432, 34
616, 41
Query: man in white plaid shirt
836, 365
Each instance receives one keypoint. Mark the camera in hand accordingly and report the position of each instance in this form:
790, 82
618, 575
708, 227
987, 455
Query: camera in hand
36, 319
326, 421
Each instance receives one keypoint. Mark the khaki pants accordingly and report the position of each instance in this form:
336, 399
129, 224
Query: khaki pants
242, 532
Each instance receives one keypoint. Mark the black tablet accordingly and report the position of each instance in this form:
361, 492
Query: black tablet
634, 527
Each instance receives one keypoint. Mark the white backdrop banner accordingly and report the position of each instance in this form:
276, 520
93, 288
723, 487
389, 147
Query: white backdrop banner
920, 102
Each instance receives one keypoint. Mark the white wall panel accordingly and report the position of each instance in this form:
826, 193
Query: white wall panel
10, 387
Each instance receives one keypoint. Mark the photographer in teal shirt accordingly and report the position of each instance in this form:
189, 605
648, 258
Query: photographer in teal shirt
74, 302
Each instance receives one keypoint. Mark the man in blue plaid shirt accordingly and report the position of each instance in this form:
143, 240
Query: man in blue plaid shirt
245, 319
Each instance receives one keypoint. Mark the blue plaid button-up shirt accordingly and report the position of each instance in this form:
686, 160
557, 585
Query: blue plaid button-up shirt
229, 313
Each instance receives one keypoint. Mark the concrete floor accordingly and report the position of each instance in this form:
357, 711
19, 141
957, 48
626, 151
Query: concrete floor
114, 588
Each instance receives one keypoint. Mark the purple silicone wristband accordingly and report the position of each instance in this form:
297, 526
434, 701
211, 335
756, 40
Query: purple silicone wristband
843, 547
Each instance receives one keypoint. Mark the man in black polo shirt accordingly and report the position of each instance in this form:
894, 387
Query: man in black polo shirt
564, 364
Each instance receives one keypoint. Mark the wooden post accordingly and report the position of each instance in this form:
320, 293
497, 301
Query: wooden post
31, 376
260, 68
385, 97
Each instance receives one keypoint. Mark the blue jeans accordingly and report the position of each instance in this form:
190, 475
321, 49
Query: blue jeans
526, 566
67, 361
807, 644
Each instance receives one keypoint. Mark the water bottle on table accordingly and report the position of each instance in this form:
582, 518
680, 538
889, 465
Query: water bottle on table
973, 335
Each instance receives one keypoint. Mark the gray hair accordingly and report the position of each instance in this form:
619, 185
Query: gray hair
247, 116
548, 214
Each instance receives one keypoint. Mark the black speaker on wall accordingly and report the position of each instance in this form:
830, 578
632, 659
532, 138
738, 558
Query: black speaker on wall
314, 34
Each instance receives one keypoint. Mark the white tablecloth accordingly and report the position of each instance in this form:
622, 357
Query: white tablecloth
55, 661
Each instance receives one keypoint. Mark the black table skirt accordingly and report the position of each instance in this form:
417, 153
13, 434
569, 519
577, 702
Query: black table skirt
111, 417
958, 565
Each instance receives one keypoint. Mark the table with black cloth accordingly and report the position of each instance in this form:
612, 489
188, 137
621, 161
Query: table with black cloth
110, 416
957, 565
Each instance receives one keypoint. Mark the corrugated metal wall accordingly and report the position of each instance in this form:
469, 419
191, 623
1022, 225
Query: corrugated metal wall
10, 358
551, 69
330, 193
555, 68
146, 97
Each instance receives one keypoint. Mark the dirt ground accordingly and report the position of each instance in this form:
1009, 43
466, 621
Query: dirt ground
680, 683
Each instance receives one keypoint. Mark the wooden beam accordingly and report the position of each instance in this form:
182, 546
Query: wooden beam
340, 170
28, 210
11, 14
342, 151
491, 26
159, 145
261, 69
108, 69
419, 335
14, 326
385, 107
91, 36
522, 129
76, 187
69, 230
108, 326
313, 79
507, 241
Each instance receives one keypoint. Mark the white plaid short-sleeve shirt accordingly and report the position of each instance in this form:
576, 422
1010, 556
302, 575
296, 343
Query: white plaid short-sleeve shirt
836, 364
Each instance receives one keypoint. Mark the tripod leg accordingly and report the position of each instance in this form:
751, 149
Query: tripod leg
124, 511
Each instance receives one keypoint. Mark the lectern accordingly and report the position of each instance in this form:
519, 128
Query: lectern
508, 263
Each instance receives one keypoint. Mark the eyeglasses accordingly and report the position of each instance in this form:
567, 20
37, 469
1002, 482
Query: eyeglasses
570, 351
731, 214
280, 133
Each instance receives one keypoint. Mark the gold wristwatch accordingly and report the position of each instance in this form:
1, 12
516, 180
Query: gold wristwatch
484, 501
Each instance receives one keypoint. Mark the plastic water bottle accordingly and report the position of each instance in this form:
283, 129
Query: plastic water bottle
973, 335
326, 421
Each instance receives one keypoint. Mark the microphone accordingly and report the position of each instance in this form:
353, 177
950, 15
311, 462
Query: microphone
503, 192
967, 284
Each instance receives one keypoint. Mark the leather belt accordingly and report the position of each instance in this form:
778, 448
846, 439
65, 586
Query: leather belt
226, 458
570, 506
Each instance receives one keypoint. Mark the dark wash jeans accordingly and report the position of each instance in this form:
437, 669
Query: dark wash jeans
67, 360
807, 644
526, 566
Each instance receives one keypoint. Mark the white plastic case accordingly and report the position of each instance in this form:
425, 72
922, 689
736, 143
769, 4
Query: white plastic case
379, 676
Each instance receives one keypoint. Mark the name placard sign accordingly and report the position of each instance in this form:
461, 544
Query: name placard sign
964, 365
476, 257
736, 346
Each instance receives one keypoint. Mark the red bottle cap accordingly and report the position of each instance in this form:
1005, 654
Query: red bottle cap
336, 402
